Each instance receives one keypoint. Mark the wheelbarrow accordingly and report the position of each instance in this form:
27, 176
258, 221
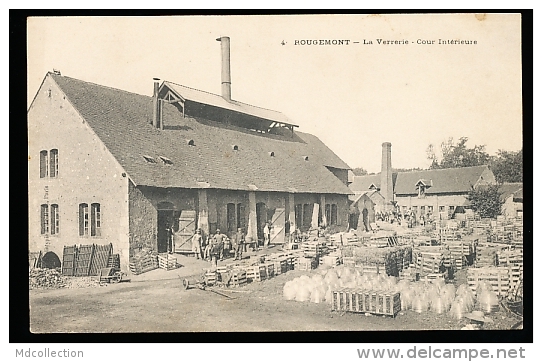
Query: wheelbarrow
110, 275
205, 282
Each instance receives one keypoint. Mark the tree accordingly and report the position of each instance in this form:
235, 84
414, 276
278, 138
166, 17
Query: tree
507, 166
359, 171
486, 200
458, 154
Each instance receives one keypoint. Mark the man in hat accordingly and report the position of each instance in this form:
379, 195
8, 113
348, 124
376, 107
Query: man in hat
239, 244
196, 243
219, 240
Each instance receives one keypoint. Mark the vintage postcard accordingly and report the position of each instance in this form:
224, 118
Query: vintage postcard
275, 173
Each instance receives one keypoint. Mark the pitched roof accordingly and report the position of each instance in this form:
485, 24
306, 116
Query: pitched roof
512, 188
122, 121
448, 180
362, 183
212, 99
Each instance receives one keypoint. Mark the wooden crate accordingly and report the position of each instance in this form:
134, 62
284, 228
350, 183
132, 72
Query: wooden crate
429, 262
410, 274
366, 301
373, 268
144, 264
269, 270
510, 257
460, 247
349, 261
167, 261
238, 278
256, 273
210, 277
114, 261
432, 277
497, 277
281, 265
329, 260
303, 263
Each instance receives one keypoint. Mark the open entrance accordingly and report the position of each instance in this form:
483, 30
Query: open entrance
261, 218
50, 261
365, 214
165, 224
353, 221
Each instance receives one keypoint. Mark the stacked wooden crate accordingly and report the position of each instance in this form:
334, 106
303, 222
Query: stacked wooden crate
238, 278
497, 277
459, 251
256, 273
356, 300
329, 260
303, 263
143, 262
432, 277
167, 261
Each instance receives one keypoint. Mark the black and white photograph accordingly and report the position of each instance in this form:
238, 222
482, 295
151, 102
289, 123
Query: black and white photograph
275, 173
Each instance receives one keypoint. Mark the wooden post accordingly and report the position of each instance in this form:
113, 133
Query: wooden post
323, 209
291, 215
203, 212
252, 229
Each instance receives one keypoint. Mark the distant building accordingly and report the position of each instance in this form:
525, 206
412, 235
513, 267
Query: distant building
110, 166
424, 192
512, 197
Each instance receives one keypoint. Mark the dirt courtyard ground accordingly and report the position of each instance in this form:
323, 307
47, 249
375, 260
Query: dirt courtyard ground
164, 306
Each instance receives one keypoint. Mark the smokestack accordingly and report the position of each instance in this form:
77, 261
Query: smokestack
156, 105
386, 182
226, 76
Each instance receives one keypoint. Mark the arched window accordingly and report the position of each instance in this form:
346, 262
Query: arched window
95, 220
83, 219
53, 163
44, 219
55, 220
44, 164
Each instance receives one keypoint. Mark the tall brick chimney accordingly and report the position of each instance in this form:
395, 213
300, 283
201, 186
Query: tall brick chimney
226, 76
386, 181
156, 106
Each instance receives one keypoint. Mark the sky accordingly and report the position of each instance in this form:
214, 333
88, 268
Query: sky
353, 97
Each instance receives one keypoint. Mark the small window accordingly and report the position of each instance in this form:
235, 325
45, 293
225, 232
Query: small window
55, 220
166, 160
190, 142
44, 219
441, 208
235, 148
44, 164
271, 154
149, 159
430, 209
53, 163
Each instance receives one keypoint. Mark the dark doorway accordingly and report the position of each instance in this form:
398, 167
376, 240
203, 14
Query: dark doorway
353, 221
50, 261
365, 214
261, 218
165, 222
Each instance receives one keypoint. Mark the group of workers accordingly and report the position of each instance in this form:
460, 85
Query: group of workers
214, 247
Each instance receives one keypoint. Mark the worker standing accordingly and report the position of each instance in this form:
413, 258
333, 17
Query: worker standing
239, 244
220, 239
266, 235
214, 252
196, 243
